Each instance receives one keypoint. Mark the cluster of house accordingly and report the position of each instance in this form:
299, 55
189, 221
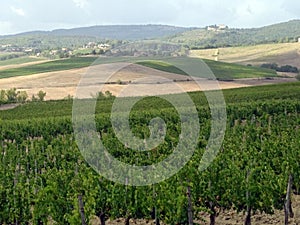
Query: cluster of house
53, 52
94, 45
220, 27
62, 50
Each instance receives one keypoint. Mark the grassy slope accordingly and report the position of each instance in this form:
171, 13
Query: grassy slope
221, 70
256, 54
58, 65
163, 66
19, 61
279, 92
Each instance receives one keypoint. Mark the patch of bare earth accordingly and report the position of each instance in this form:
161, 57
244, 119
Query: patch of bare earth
8, 106
233, 218
264, 81
132, 80
228, 217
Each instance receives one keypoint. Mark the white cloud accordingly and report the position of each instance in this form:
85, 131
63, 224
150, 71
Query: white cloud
81, 3
44, 15
18, 11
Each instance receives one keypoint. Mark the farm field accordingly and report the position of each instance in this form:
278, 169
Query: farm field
42, 167
39, 152
20, 62
221, 70
282, 54
188, 116
59, 85
149, 113
63, 79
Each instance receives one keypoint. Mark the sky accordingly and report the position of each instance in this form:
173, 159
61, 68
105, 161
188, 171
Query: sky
18, 16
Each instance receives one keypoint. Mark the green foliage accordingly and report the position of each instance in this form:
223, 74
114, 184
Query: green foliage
9, 56
14, 96
159, 65
202, 38
57, 65
19, 60
22, 97
228, 71
286, 68
50, 171
11, 95
221, 70
41, 95
42, 171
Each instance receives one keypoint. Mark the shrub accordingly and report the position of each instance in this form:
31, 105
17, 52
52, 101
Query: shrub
22, 96
11, 95
41, 95
286, 68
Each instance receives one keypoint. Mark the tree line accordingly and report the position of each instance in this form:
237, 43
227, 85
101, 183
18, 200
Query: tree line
285, 68
13, 96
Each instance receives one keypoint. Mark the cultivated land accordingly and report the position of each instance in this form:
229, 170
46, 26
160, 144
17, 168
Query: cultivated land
20, 62
59, 85
48, 124
59, 79
283, 54
253, 110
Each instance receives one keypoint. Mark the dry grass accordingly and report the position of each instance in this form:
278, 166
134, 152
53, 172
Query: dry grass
137, 79
285, 53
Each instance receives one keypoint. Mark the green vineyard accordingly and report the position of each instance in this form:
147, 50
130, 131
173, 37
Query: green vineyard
44, 178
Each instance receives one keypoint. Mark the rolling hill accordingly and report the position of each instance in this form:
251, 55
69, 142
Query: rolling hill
222, 71
118, 32
193, 37
204, 38
281, 53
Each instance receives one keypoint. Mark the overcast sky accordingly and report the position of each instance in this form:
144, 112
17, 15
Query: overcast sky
26, 15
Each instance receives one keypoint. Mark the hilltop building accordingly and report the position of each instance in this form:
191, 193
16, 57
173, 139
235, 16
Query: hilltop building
216, 28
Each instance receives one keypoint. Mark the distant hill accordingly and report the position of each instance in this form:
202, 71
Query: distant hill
193, 38
117, 32
205, 38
